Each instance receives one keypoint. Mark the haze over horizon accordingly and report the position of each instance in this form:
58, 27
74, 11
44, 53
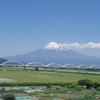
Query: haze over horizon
26, 26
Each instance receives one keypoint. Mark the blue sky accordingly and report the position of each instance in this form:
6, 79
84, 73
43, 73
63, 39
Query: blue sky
27, 25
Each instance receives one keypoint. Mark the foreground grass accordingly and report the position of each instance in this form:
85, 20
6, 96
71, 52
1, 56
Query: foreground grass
42, 76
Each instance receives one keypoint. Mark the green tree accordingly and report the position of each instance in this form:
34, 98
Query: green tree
88, 83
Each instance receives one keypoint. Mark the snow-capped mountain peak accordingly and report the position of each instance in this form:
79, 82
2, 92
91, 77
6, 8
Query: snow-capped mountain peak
53, 45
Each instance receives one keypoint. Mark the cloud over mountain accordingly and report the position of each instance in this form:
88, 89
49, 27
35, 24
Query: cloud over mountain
76, 45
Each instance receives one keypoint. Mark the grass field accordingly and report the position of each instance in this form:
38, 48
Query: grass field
43, 76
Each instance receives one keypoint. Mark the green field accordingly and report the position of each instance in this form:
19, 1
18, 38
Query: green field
43, 76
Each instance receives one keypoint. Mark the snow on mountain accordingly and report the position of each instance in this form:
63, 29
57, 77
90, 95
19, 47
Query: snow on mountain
54, 46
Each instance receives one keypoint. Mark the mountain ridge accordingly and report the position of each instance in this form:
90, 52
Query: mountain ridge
54, 53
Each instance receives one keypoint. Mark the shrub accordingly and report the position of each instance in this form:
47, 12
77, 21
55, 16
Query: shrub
73, 85
98, 89
62, 85
8, 97
77, 89
96, 84
33, 83
48, 85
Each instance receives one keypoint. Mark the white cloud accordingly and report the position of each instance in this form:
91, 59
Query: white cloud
76, 45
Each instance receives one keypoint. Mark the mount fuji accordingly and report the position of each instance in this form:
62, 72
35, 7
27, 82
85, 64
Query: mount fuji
54, 53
